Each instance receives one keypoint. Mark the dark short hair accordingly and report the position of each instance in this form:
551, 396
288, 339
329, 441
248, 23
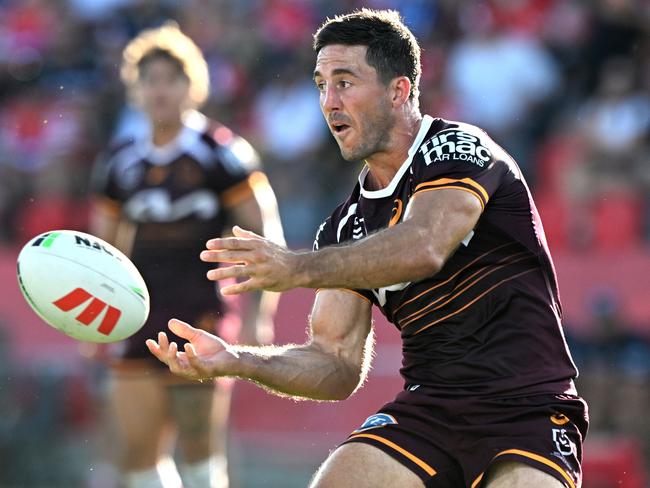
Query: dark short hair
392, 48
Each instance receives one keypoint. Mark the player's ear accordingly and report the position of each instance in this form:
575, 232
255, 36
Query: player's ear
401, 90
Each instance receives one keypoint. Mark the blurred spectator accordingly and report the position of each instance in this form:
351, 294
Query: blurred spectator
29, 27
617, 29
289, 119
291, 128
39, 133
614, 363
617, 117
566, 33
605, 186
499, 79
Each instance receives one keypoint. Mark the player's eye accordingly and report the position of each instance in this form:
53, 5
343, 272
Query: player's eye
321, 86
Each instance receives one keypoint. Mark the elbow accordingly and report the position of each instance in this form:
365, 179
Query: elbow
343, 391
431, 261
337, 397
434, 264
344, 386
425, 255
332, 394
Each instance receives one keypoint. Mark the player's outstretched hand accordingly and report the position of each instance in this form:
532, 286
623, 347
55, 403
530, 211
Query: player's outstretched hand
258, 263
203, 357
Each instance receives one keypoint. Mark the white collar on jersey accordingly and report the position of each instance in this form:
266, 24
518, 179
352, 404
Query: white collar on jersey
427, 120
194, 123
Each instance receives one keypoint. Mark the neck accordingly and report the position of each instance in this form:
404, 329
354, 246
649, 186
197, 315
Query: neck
165, 133
384, 165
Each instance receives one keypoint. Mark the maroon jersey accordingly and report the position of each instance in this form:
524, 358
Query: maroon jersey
488, 323
178, 194
177, 197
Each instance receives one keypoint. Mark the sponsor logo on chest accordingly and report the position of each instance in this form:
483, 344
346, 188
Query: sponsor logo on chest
455, 145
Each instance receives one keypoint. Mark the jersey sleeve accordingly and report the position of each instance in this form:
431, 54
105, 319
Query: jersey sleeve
104, 177
463, 160
237, 171
327, 235
104, 190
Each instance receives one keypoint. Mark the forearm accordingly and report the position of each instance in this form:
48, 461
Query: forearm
331, 365
305, 372
418, 247
435, 224
384, 258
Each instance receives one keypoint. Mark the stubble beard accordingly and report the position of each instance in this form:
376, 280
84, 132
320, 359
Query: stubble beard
375, 135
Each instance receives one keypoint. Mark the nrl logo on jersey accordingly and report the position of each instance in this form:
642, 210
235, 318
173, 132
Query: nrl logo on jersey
455, 145
358, 230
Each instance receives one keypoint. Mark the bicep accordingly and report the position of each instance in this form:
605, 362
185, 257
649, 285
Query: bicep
340, 325
446, 215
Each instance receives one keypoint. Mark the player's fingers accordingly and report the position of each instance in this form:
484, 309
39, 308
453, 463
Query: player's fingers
174, 359
225, 256
190, 352
194, 360
236, 271
229, 243
163, 342
154, 348
237, 288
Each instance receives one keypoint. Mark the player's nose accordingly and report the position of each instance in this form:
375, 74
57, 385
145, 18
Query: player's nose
330, 100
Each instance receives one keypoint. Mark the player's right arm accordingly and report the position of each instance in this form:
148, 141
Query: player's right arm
106, 223
331, 365
106, 220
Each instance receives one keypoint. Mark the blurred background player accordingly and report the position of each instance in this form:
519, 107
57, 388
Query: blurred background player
162, 190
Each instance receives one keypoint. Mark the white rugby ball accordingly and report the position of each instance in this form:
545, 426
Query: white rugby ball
83, 286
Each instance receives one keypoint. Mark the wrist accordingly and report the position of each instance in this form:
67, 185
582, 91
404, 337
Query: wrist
303, 270
231, 364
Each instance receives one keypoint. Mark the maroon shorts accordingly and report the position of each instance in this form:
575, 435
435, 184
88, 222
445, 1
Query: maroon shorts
451, 443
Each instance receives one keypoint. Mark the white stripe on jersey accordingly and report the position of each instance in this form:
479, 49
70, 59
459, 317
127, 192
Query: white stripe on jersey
425, 125
351, 211
239, 157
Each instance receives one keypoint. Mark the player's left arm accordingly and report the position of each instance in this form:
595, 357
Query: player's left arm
258, 211
434, 225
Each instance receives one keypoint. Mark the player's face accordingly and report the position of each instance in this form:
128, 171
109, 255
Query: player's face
163, 91
354, 101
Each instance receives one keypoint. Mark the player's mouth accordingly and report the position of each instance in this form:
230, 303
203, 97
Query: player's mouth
339, 128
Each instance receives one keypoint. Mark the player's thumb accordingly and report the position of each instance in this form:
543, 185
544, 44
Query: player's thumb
182, 329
